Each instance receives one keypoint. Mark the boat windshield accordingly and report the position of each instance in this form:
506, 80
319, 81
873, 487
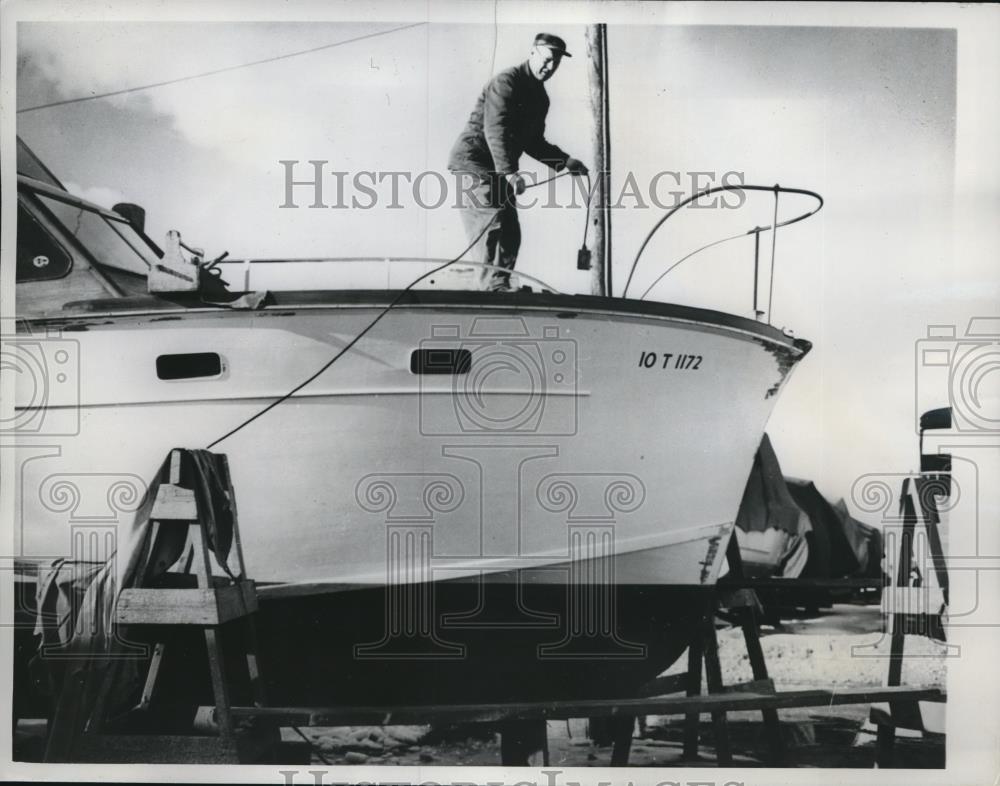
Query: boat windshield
60, 233
111, 242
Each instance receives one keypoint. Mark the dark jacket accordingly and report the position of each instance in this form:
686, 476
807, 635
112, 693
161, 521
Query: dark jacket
508, 119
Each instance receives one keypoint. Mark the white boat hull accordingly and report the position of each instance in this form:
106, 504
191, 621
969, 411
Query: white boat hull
553, 517
496, 469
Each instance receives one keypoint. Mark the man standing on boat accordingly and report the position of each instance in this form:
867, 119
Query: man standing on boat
508, 119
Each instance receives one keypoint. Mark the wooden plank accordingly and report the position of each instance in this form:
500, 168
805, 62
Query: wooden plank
693, 689
764, 686
203, 566
677, 683
151, 676
220, 685
223, 460
679, 705
713, 680
622, 734
167, 607
737, 582
885, 747
175, 467
746, 614
524, 743
216, 606
253, 665
927, 717
174, 503
913, 601
663, 686
236, 600
758, 665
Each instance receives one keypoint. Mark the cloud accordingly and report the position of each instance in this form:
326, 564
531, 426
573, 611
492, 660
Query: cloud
99, 195
251, 116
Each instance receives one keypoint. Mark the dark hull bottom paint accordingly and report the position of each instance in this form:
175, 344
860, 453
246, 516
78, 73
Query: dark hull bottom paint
486, 645
489, 644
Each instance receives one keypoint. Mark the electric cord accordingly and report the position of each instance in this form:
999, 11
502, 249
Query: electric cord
591, 188
378, 317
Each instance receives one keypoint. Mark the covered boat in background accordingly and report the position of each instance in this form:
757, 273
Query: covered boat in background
787, 529
770, 527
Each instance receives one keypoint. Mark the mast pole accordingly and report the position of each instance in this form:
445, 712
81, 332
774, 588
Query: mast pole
597, 59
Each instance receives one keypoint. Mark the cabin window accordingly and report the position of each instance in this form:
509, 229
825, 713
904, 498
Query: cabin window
39, 256
440, 361
190, 365
108, 241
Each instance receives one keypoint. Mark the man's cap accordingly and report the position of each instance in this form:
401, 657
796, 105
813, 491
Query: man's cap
553, 42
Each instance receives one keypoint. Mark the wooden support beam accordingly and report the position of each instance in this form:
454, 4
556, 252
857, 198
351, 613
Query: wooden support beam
143, 606
174, 504
770, 582
695, 657
664, 686
746, 614
149, 686
524, 743
622, 728
215, 601
713, 679
560, 710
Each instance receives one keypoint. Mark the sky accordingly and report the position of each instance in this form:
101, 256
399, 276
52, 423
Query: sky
865, 116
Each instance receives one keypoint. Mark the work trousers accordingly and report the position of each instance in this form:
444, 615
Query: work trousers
492, 201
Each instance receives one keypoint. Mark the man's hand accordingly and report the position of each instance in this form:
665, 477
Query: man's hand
516, 182
576, 167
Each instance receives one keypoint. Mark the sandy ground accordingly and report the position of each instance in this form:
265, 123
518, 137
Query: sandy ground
839, 648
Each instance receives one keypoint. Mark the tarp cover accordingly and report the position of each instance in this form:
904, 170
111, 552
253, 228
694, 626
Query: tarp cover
866, 542
771, 528
830, 552
786, 527
767, 504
